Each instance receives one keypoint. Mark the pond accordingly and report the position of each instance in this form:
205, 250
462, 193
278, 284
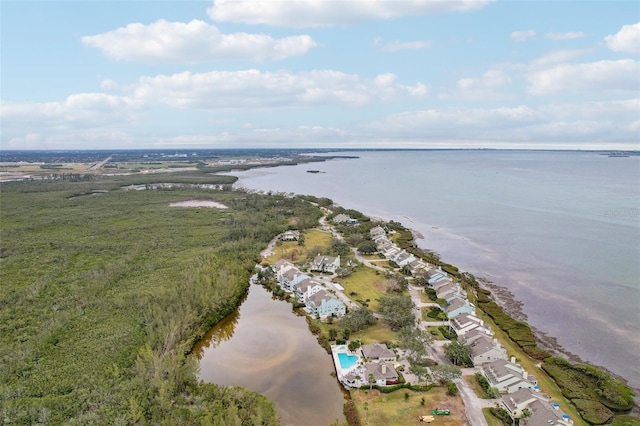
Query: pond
264, 346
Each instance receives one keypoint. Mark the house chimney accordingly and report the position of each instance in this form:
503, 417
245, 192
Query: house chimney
384, 367
513, 359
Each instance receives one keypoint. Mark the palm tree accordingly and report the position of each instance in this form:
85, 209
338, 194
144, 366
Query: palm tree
372, 380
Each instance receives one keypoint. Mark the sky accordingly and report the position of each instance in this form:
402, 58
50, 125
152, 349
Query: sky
320, 74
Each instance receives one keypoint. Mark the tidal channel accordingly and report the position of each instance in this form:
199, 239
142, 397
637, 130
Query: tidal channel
264, 346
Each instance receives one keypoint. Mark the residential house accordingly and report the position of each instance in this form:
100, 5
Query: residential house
281, 266
450, 290
326, 264
290, 278
383, 373
418, 266
377, 232
378, 351
507, 376
473, 335
543, 414
515, 403
463, 323
540, 410
306, 288
435, 275
459, 306
340, 218
403, 258
290, 236
324, 304
485, 350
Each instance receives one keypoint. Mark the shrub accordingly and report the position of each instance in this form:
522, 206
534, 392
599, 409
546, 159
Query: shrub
592, 411
625, 420
452, 389
351, 414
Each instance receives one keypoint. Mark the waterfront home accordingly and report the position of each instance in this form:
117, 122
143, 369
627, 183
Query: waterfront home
383, 373
463, 323
457, 306
507, 377
449, 291
326, 264
544, 414
473, 335
435, 275
281, 266
541, 411
377, 232
290, 236
418, 266
324, 304
403, 258
485, 350
306, 288
290, 278
340, 218
378, 351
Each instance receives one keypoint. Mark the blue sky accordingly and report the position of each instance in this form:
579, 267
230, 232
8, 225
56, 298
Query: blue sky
320, 73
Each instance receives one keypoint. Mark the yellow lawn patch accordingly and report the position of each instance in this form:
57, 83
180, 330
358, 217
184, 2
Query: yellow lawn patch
366, 284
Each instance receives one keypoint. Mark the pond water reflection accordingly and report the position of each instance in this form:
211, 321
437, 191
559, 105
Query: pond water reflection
265, 347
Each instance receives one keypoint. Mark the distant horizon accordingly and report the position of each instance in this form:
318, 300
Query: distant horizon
312, 149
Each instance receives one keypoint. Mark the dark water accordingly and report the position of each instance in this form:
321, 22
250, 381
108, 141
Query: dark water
265, 347
561, 230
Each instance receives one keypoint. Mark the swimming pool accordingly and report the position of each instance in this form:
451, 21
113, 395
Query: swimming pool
347, 361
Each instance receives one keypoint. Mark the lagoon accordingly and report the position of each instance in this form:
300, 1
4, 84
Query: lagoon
264, 346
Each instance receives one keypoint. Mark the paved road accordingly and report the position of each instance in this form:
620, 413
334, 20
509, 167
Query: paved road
100, 164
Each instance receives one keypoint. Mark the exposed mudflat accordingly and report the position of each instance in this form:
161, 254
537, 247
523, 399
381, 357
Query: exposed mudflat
200, 203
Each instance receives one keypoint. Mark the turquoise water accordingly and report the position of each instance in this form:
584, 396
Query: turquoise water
560, 230
347, 361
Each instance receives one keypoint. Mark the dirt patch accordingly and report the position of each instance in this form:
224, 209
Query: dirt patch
200, 203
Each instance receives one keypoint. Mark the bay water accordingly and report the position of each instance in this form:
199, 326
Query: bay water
559, 230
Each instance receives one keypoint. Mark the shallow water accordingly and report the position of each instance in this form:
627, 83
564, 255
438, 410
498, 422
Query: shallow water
265, 347
561, 230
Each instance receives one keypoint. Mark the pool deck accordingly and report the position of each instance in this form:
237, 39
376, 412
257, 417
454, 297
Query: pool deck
342, 372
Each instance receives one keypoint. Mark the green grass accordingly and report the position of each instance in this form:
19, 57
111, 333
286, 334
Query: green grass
366, 284
477, 389
491, 420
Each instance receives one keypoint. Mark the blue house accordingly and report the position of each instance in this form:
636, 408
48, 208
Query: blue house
324, 304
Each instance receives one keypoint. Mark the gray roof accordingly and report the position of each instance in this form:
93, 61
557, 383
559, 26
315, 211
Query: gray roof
377, 351
375, 368
482, 345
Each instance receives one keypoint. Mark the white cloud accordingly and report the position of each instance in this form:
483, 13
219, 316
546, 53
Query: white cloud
396, 46
193, 42
571, 35
601, 76
489, 80
522, 35
318, 13
626, 40
578, 123
256, 89
79, 110
558, 56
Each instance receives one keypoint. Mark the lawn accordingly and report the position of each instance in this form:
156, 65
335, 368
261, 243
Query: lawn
380, 332
316, 238
364, 284
293, 252
396, 409
491, 421
437, 336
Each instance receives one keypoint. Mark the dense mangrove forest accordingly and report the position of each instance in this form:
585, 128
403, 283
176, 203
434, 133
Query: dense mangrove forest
105, 290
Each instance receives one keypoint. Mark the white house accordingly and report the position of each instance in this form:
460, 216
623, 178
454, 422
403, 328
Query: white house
377, 232
324, 304
403, 258
463, 323
290, 236
306, 288
541, 412
290, 278
508, 377
384, 374
325, 264
485, 350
